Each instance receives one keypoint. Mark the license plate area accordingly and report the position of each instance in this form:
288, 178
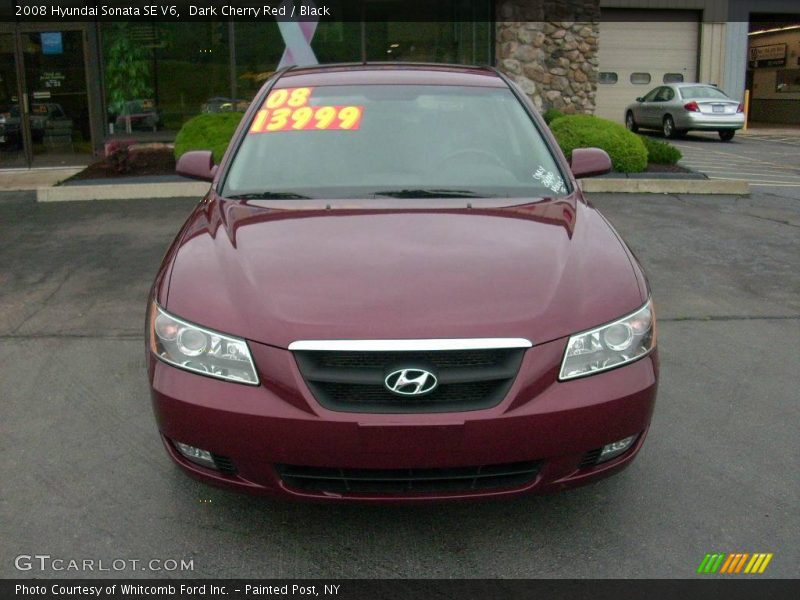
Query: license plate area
718, 108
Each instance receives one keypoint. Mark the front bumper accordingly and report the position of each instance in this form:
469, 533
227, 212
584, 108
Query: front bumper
279, 423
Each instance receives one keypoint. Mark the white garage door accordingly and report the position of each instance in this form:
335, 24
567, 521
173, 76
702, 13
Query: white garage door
638, 50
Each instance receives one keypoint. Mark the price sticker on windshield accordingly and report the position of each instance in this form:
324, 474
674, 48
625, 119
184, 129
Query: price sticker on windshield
291, 97
307, 118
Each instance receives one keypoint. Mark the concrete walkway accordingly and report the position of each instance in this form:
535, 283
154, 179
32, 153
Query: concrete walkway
31, 179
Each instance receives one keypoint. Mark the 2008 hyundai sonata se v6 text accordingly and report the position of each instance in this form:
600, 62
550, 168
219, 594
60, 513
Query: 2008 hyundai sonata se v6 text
396, 291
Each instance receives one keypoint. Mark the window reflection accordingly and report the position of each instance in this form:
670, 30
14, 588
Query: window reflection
159, 75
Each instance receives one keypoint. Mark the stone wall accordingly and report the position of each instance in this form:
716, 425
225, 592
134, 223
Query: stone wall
554, 62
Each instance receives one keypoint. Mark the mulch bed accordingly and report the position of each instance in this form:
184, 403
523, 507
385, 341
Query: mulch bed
143, 162
654, 168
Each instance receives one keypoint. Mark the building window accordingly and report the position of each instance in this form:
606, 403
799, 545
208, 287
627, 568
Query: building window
607, 77
640, 78
673, 78
787, 81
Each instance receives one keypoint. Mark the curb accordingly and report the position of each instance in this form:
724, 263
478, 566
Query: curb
132, 191
602, 185
122, 191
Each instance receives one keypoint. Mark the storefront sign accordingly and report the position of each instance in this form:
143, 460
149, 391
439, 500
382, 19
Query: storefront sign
52, 43
52, 79
773, 55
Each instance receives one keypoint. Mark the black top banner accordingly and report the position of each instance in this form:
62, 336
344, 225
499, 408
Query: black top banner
55, 11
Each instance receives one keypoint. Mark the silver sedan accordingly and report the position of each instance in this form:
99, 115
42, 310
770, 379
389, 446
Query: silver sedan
679, 107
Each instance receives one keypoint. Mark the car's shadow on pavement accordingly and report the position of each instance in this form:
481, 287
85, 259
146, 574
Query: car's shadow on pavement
689, 137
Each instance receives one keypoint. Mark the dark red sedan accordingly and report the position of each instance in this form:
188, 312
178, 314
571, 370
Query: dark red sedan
396, 291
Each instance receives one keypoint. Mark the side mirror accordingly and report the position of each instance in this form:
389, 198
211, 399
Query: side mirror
589, 162
197, 164
640, 99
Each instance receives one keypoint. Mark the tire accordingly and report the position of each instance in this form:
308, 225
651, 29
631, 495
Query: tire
726, 135
668, 128
630, 122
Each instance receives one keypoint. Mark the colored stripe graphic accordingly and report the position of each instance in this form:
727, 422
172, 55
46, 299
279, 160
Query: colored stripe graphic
711, 563
741, 562
734, 562
729, 563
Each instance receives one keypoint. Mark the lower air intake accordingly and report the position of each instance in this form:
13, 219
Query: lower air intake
401, 481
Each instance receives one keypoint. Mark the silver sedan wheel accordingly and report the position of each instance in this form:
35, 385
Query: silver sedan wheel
630, 123
668, 127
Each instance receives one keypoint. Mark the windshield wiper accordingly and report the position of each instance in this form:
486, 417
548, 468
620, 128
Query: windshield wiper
269, 196
432, 193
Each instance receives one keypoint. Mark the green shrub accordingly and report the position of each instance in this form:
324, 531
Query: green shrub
661, 153
551, 114
210, 131
627, 150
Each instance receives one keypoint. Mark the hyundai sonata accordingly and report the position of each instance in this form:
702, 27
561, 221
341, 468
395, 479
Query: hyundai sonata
396, 290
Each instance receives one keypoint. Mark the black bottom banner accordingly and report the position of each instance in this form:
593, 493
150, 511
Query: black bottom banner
391, 589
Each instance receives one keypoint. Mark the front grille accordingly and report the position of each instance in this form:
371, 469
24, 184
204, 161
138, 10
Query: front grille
399, 481
353, 381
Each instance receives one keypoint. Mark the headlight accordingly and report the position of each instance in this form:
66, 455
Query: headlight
623, 341
194, 348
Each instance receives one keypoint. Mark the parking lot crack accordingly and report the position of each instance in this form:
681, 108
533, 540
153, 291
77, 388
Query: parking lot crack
731, 318
45, 301
92, 336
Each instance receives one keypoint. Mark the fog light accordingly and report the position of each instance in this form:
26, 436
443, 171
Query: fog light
196, 455
616, 448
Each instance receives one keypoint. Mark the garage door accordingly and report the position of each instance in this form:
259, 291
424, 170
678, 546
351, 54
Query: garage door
640, 50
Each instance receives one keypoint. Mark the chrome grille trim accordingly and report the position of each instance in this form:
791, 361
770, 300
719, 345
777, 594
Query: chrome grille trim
410, 345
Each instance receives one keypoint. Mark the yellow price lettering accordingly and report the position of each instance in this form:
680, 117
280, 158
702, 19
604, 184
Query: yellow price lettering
349, 116
301, 117
325, 116
280, 117
299, 97
258, 123
277, 98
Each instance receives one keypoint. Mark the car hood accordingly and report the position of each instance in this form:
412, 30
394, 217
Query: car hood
540, 271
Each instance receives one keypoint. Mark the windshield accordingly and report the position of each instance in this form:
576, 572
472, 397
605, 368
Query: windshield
393, 140
702, 91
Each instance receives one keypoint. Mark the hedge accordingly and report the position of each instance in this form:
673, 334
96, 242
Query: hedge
551, 114
210, 131
627, 150
661, 153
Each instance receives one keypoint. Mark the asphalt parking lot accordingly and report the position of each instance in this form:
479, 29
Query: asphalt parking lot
85, 476
769, 160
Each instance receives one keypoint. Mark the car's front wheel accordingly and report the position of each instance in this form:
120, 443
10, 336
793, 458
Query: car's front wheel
630, 122
726, 135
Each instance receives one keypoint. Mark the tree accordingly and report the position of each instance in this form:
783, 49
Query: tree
127, 69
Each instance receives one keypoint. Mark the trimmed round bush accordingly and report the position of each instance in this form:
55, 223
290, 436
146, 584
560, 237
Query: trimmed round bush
627, 150
551, 114
211, 131
661, 153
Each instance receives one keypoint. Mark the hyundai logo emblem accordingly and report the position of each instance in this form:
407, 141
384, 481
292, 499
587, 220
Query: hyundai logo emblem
411, 382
